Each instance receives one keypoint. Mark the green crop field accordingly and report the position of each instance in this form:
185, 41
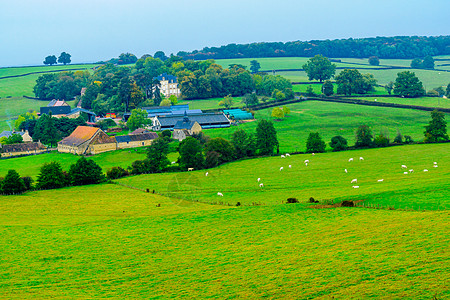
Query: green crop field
331, 119
437, 102
30, 165
108, 241
25, 70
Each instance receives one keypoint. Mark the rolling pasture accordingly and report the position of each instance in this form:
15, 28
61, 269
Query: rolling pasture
323, 178
110, 241
331, 119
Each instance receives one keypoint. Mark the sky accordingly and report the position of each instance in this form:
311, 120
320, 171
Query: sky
94, 30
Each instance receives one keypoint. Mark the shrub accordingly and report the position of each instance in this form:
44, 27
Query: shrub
28, 181
315, 143
381, 141
399, 138
223, 147
13, 184
166, 133
363, 137
116, 172
338, 143
328, 88
212, 159
408, 139
292, 200
85, 171
347, 204
374, 61
51, 176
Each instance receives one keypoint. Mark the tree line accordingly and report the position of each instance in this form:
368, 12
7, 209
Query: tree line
401, 47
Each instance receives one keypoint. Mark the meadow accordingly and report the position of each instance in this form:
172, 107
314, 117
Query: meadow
110, 241
25, 70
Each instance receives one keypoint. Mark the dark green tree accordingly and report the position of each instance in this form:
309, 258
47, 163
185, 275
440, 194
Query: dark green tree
14, 139
13, 184
137, 119
254, 66
127, 58
46, 131
116, 173
416, 63
320, 68
436, 130
161, 55
374, 61
314, 143
85, 171
51, 176
428, 62
389, 87
408, 85
266, 137
250, 99
50, 60
223, 147
243, 143
328, 88
447, 90
212, 159
64, 58
364, 137
45, 85
349, 81
338, 143
157, 155
191, 155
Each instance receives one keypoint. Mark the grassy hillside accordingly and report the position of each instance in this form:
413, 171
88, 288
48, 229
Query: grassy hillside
324, 179
25, 70
108, 241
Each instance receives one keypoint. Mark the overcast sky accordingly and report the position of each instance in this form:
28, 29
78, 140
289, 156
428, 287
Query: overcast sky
93, 30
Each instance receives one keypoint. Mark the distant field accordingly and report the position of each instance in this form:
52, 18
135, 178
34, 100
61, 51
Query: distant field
423, 101
30, 165
24, 70
18, 86
331, 119
108, 241
211, 103
323, 179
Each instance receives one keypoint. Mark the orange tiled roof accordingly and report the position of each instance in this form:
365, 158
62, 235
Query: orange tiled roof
80, 135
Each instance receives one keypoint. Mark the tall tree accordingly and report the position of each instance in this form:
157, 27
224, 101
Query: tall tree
364, 137
157, 155
12, 184
223, 147
408, 85
191, 155
50, 60
254, 66
243, 143
314, 143
137, 119
428, 62
266, 137
436, 130
64, 58
320, 68
161, 55
51, 176
85, 171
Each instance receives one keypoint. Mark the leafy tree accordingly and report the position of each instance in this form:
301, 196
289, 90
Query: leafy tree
250, 99
160, 55
314, 143
436, 130
254, 66
389, 87
64, 58
45, 130
328, 88
338, 143
279, 96
212, 159
351, 81
50, 60
45, 85
288, 93
310, 91
416, 63
140, 167
364, 137
408, 85
137, 119
191, 155
374, 61
157, 155
116, 173
28, 125
173, 99
398, 138
13, 139
51, 176
286, 110
381, 140
447, 90
28, 181
13, 184
85, 171
166, 133
127, 58
165, 102
24, 117
320, 68
223, 147
277, 113
265, 85
227, 102
243, 143
266, 137
428, 62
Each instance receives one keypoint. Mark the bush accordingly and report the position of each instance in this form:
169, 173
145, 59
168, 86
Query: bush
347, 204
116, 172
166, 133
381, 141
292, 200
28, 181
399, 138
51, 176
338, 143
408, 139
13, 184
85, 171
212, 159
363, 137
374, 61
315, 143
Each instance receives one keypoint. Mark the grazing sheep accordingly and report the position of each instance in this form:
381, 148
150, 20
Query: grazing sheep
220, 194
361, 158
405, 173
173, 162
375, 100
313, 153
290, 166
355, 186
207, 173
287, 154
435, 166
190, 169
411, 170
345, 170
306, 161
380, 180
404, 167
281, 169
350, 159
261, 185
282, 156
354, 180
425, 170
306, 164
435, 163
259, 179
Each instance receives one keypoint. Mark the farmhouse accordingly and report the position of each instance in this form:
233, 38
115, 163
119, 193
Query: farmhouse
22, 149
205, 120
136, 140
184, 128
169, 85
57, 108
87, 140
24, 134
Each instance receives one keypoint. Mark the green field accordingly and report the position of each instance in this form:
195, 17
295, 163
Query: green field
331, 119
108, 241
211, 103
25, 70
437, 102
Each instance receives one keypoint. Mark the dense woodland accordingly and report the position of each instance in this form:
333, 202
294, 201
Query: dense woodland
383, 47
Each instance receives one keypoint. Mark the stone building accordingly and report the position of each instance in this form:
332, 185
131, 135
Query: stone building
22, 149
87, 140
185, 127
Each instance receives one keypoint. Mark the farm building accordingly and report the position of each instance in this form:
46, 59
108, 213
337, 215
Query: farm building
136, 140
57, 108
89, 116
87, 140
205, 120
238, 114
24, 134
22, 149
185, 127
168, 85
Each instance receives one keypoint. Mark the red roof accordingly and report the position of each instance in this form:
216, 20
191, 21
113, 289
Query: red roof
80, 135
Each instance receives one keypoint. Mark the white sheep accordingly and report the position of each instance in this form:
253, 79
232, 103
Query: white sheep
411, 170
361, 158
350, 159
259, 179
261, 185
281, 169
173, 162
306, 164
190, 169
404, 167
290, 166
287, 154
405, 173
345, 170
435, 163
306, 161
282, 156
220, 194
425, 170
313, 153
354, 180
356, 186
207, 173
380, 180
435, 166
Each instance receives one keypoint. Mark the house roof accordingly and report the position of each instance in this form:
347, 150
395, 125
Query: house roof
55, 110
182, 124
137, 137
170, 78
205, 120
80, 135
22, 147
77, 109
54, 103
7, 133
139, 131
